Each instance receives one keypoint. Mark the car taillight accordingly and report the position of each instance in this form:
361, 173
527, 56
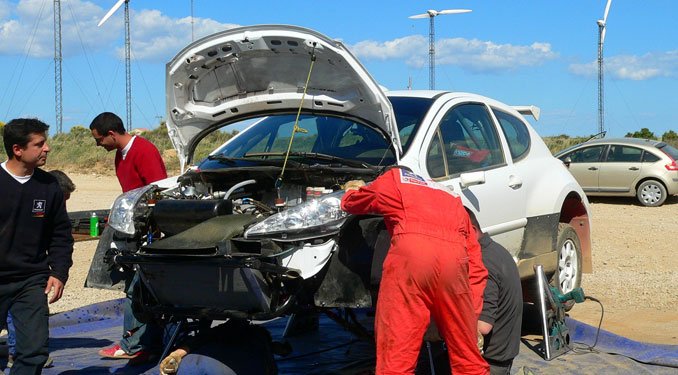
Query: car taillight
672, 167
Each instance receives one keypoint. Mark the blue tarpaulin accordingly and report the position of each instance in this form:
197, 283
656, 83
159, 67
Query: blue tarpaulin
77, 335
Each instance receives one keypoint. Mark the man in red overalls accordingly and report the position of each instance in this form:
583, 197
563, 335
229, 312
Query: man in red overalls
433, 268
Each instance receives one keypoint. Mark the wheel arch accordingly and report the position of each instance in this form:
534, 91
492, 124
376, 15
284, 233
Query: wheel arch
648, 178
574, 211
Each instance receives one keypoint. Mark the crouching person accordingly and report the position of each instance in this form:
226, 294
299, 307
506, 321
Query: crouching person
232, 348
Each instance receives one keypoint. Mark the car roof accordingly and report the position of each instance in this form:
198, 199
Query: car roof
625, 141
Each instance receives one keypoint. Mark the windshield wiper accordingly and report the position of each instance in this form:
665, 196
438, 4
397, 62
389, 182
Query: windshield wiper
232, 161
316, 155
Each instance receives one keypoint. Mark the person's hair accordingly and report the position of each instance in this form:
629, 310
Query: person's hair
66, 184
18, 132
474, 219
107, 121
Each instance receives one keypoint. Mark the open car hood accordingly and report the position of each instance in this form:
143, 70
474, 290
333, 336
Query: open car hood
259, 70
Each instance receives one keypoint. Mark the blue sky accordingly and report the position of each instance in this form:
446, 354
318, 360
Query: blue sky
519, 52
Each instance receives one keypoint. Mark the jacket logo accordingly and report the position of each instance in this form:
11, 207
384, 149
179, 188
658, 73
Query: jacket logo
39, 207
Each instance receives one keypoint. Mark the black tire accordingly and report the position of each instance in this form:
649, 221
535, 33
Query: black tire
568, 273
651, 193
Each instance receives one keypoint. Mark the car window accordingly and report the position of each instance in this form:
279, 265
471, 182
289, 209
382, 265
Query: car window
516, 133
322, 134
465, 140
649, 157
409, 113
668, 150
586, 155
624, 154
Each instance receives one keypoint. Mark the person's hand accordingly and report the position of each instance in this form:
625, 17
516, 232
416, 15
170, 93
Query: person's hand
354, 185
55, 286
480, 342
170, 365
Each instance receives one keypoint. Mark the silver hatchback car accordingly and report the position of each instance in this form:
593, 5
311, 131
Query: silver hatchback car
630, 167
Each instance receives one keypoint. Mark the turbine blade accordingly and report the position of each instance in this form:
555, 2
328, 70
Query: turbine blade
602, 35
454, 11
110, 12
416, 16
607, 10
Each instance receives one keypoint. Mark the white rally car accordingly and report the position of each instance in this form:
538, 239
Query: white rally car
255, 230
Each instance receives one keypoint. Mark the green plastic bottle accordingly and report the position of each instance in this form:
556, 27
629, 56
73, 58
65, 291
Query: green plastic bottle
94, 225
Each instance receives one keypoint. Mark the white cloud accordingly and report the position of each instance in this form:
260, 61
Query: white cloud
158, 37
154, 36
471, 55
4, 10
632, 67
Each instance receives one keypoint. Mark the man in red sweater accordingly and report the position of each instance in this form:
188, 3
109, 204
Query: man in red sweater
433, 267
137, 163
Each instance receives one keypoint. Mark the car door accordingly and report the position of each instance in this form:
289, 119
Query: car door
585, 166
463, 139
620, 169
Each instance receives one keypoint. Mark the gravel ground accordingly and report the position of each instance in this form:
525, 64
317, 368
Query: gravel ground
635, 268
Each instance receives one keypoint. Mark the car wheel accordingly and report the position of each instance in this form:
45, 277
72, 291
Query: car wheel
568, 274
651, 193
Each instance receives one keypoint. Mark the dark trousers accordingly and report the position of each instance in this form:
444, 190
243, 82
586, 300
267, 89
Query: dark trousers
500, 367
27, 302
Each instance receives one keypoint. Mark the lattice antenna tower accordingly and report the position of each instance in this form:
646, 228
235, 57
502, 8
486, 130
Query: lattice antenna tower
431, 14
58, 102
601, 84
128, 70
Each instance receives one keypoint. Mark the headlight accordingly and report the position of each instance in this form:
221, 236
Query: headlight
121, 217
323, 215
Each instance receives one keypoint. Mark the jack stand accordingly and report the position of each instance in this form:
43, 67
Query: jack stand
556, 335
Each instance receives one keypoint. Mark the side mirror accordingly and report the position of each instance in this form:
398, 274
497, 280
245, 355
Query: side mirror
567, 161
472, 178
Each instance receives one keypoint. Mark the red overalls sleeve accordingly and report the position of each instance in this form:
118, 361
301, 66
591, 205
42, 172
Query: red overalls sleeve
366, 199
477, 273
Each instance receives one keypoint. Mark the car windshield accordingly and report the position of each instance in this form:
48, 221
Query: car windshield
325, 139
409, 112
669, 150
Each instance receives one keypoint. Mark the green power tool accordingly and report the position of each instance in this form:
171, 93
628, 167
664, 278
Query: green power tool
552, 309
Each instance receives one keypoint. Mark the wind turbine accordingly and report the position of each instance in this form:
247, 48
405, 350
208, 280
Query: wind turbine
601, 39
431, 14
128, 71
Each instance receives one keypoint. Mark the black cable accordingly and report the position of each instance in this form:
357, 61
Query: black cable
587, 348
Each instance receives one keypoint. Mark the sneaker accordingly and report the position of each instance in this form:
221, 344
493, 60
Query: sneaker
116, 352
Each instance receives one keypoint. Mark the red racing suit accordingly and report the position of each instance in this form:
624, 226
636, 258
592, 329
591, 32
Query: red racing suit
433, 268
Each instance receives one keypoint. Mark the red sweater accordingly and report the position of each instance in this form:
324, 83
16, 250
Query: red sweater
142, 165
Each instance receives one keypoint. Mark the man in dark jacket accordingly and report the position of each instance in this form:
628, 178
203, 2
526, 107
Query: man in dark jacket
35, 241
501, 318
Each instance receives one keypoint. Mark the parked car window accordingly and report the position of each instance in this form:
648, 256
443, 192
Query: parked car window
649, 157
466, 140
516, 134
668, 150
586, 155
624, 154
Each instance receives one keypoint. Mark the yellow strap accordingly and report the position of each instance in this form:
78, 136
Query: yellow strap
296, 121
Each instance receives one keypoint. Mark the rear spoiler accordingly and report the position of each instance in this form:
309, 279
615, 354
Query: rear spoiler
528, 110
